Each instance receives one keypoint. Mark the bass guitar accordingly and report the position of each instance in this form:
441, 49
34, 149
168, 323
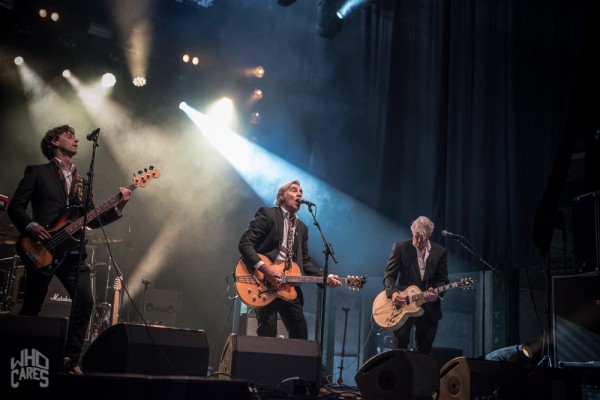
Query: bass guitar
255, 291
391, 317
46, 256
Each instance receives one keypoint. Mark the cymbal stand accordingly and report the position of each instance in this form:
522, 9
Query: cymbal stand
340, 380
5, 295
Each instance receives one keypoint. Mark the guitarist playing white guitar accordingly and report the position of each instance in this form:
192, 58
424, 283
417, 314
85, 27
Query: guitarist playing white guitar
422, 264
276, 233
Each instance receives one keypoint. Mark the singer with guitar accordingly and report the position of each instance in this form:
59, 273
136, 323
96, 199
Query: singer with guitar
54, 189
278, 235
424, 264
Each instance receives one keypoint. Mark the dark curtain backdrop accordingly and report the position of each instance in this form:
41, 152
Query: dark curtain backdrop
480, 96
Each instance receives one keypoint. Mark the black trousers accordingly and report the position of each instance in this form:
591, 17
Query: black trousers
292, 316
425, 331
36, 289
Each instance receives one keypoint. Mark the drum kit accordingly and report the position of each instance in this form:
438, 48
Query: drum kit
12, 282
11, 273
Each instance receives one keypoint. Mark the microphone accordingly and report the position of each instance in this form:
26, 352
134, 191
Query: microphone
308, 203
445, 233
93, 135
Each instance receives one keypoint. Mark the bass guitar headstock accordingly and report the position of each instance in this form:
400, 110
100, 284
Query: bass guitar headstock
143, 178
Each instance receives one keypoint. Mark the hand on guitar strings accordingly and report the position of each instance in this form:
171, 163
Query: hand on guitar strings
333, 281
272, 275
37, 232
398, 299
429, 295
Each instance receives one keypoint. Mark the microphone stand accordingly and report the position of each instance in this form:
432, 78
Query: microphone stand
484, 266
82, 239
328, 252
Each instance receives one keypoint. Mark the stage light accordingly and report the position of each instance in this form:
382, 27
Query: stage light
195, 60
19, 60
108, 80
520, 353
258, 72
54, 16
328, 22
139, 81
43, 13
66, 73
186, 58
255, 117
222, 112
348, 6
257, 94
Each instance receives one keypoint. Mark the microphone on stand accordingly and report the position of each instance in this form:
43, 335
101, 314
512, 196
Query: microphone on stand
445, 233
308, 203
93, 135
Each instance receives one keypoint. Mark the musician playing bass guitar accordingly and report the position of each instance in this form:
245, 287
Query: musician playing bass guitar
277, 234
424, 264
54, 190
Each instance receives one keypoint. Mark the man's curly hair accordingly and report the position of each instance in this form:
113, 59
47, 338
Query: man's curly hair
48, 149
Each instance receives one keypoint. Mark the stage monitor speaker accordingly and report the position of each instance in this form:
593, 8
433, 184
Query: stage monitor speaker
41, 340
269, 361
398, 374
151, 350
467, 378
576, 311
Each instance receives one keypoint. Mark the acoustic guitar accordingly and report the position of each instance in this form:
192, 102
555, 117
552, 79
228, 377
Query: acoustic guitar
256, 292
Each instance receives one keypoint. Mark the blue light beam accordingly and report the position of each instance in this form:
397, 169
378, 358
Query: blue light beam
360, 237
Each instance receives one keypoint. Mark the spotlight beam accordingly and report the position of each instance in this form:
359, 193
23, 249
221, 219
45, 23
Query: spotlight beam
360, 237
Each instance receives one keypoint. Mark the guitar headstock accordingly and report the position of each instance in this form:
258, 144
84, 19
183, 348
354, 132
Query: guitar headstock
356, 282
466, 283
118, 283
143, 178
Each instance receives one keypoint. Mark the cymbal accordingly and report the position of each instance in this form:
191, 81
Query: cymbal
102, 240
9, 231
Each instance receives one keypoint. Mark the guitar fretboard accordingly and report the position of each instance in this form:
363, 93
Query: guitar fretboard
308, 279
96, 212
439, 289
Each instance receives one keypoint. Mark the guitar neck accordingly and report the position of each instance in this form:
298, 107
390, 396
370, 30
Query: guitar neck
438, 290
308, 279
96, 212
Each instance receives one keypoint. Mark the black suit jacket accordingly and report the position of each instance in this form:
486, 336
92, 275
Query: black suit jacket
264, 235
42, 187
402, 270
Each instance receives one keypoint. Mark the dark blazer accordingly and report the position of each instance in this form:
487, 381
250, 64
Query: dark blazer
42, 187
264, 235
402, 270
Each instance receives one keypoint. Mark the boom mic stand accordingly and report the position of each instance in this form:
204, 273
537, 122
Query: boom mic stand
484, 265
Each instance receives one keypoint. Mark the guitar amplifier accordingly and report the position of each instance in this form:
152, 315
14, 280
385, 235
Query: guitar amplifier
58, 302
249, 324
